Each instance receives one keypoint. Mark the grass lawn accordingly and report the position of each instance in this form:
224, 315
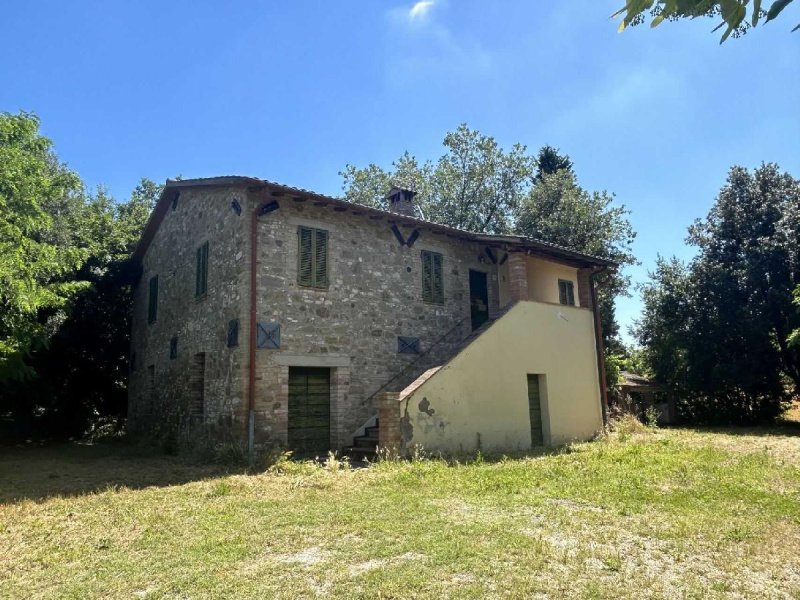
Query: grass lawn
663, 514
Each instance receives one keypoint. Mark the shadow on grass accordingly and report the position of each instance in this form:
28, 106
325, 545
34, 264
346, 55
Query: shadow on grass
783, 427
41, 471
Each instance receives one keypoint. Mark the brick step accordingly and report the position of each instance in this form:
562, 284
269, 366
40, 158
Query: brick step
356, 453
364, 441
371, 431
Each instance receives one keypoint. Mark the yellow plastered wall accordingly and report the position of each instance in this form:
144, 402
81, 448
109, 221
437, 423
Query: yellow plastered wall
543, 277
480, 398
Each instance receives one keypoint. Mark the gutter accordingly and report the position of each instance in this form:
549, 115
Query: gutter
598, 341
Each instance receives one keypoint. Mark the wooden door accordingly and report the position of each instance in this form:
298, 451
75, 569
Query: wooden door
309, 410
478, 298
535, 408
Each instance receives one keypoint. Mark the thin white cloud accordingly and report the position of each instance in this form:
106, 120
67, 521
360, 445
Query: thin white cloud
421, 46
420, 10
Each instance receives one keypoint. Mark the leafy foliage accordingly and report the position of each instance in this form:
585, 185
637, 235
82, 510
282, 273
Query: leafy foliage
475, 185
39, 248
550, 161
794, 337
65, 286
734, 13
717, 330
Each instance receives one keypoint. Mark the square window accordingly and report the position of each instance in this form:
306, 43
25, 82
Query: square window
268, 336
407, 345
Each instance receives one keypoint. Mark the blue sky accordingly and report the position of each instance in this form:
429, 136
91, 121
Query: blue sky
294, 91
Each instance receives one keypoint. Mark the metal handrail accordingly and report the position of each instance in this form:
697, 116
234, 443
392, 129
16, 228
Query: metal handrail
415, 361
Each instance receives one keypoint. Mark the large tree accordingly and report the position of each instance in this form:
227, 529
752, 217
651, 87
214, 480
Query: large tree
39, 250
737, 15
79, 377
718, 330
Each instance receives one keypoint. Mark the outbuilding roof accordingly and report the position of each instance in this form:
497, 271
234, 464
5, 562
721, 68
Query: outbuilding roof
173, 186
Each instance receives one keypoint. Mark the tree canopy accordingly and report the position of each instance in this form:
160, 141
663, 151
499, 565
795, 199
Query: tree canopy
718, 330
39, 246
737, 15
65, 285
475, 185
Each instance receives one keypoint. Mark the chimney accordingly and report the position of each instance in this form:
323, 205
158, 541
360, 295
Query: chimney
401, 201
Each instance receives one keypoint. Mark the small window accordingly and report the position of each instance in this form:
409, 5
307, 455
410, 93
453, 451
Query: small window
312, 257
201, 275
152, 301
407, 345
173, 348
566, 292
432, 277
268, 335
233, 333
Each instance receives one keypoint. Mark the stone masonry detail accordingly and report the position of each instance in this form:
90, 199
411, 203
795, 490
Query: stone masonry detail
373, 296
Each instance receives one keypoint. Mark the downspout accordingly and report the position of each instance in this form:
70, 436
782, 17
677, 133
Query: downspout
598, 341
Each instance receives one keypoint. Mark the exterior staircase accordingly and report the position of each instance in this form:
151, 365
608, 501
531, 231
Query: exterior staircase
365, 442
364, 445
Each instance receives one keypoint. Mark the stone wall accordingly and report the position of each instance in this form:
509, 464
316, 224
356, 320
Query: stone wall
199, 324
374, 296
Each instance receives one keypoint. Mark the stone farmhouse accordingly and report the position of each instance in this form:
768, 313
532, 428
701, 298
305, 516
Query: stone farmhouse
295, 319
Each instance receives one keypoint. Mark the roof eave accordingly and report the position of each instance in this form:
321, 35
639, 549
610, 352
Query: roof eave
174, 185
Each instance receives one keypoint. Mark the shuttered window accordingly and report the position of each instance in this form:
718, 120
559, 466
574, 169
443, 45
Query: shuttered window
201, 274
152, 300
566, 292
233, 333
312, 257
432, 277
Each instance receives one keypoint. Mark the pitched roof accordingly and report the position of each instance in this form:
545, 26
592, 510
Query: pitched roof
174, 186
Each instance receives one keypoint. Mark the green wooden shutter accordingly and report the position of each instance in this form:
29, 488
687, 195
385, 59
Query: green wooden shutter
152, 301
427, 276
305, 272
320, 258
201, 276
566, 292
438, 279
432, 277
198, 286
